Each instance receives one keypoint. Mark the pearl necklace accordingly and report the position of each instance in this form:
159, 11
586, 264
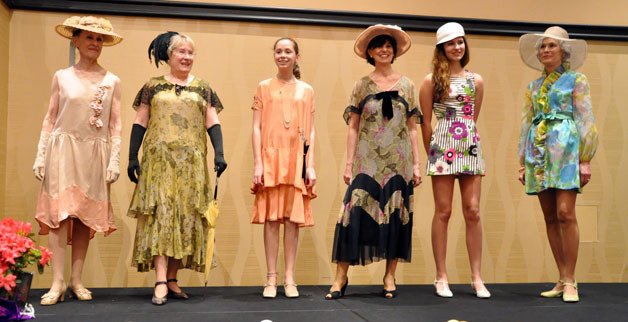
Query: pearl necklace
286, 103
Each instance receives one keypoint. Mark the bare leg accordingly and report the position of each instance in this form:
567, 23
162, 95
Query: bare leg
290, 245
271, 246
547, 200
570, 236
80, 243
171, 273
470, 189
443, 187
57, 239
161, 267
389, 277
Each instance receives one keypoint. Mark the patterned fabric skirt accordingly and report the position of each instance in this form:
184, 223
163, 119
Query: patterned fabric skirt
375, 223
162, 235
169, 202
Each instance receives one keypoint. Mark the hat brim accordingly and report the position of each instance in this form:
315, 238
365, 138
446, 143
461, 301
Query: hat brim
528, 53
111, 38
401, 37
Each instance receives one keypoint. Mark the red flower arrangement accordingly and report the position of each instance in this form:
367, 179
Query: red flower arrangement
18, 251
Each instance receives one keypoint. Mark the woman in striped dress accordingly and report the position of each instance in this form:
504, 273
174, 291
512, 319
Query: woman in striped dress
453, 147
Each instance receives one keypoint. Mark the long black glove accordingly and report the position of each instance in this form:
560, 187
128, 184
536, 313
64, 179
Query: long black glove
137, 135
215, 134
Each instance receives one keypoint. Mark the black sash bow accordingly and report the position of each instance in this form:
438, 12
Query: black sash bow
386, 98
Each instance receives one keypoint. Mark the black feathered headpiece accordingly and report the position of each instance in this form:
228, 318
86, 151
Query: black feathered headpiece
158, 48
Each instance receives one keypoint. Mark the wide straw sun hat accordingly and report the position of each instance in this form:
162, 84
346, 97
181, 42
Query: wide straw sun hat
94, 24
529, 52
401, 37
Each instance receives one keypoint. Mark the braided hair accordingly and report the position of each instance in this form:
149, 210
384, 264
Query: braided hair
158, 48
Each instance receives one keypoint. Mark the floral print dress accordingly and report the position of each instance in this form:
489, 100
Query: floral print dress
455, 144
173, 192
375, 221
557, 131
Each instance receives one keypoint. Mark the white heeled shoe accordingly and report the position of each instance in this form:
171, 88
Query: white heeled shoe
445, 292
483, 293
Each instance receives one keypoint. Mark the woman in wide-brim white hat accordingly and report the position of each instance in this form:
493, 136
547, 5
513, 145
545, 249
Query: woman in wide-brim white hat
454, 150
78, 154
557, 142
382, 165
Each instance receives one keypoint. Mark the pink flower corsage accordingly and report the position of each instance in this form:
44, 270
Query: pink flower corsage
96, 106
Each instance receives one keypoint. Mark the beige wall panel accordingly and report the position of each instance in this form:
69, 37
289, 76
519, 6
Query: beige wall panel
603, 12
5, 17
234, 57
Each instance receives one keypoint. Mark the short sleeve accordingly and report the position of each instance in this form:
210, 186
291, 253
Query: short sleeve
413, 109
311, 102
144, 96
258, 104
213, 99
354, 103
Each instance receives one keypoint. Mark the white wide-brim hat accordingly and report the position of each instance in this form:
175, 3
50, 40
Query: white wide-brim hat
529, 52
449, 31
94, 24
401, 37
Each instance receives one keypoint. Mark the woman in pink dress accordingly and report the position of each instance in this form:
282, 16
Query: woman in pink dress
283, 150
78, 155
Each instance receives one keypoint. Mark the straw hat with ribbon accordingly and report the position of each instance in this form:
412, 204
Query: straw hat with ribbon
94, 24
529, 51
401, 37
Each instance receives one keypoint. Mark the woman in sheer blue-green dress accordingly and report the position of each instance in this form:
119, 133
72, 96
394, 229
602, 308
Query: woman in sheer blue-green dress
557, 142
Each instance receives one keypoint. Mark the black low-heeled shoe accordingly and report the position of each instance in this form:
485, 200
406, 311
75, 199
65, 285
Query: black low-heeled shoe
176, 295
160, 300
337, 294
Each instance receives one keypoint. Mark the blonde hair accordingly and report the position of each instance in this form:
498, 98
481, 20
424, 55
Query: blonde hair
564, 46
178, 40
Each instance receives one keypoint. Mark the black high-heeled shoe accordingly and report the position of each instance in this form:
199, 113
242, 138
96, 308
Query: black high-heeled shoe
176, 295
337, 294
390, 294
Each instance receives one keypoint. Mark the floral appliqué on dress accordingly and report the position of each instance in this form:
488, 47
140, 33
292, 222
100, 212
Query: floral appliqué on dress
96, 106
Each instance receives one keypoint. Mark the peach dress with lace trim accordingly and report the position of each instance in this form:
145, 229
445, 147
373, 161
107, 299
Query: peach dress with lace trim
287, 117
77, 157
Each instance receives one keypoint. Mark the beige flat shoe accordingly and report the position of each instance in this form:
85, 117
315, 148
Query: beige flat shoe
270, 290
553, 293
290, 290
573, 298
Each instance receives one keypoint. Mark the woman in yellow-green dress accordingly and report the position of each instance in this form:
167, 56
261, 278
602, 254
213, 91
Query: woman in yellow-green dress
173, 191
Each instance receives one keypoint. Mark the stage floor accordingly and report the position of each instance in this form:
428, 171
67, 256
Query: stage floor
509, 302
